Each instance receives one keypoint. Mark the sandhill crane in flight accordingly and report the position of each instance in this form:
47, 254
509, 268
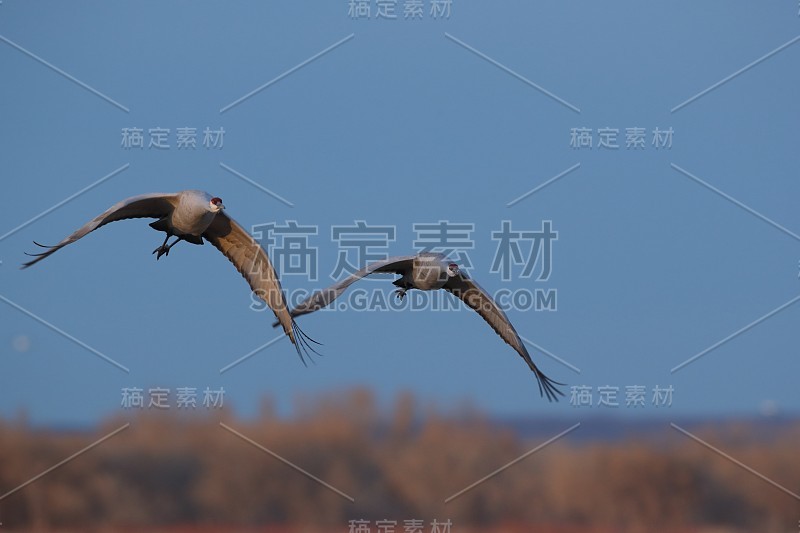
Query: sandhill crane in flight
429, 271
192, 216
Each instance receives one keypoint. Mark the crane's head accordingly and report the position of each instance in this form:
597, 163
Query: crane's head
215, 204
452, 270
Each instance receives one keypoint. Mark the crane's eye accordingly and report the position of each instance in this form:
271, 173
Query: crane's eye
216, 200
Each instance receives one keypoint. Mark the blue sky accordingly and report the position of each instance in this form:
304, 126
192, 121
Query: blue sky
408, 122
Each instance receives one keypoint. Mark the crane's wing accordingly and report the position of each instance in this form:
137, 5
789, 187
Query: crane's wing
323, 298
154, 205
254, 265
478, 299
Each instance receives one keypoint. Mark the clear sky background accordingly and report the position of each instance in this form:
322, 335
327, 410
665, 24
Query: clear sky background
404, 122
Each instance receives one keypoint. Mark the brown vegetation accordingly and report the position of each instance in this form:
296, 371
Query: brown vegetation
170, 470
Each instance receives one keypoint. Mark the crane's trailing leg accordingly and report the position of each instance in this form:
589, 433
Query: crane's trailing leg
403, 288
164, 249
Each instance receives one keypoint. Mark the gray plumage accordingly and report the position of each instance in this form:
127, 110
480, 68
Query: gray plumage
192, 216
432, 271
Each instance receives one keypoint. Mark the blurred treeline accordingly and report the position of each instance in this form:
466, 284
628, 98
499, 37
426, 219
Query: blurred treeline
178, 471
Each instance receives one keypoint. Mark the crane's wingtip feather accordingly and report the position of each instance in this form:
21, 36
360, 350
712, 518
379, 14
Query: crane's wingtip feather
38, 256
548, 387
302, 343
